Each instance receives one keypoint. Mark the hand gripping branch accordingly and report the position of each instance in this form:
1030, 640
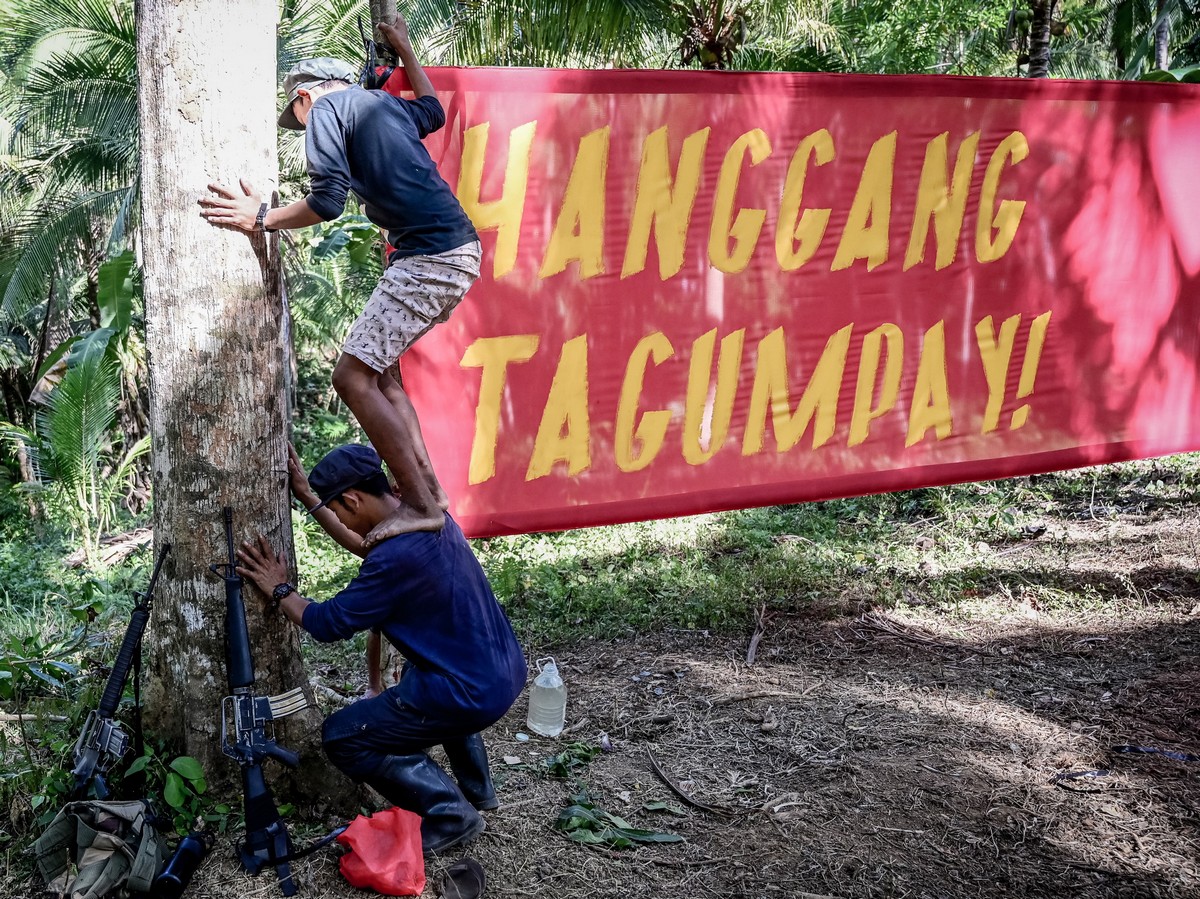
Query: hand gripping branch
251, 739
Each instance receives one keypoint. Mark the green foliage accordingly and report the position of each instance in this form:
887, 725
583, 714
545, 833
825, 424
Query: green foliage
116, 293
324, 566
1186, 75
583, 822
331, 272
181, 783
575, 33
573, 757
32, 662
71, 442
72, 104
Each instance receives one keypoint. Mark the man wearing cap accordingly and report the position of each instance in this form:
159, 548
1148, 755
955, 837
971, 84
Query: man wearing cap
369, 142
425, 592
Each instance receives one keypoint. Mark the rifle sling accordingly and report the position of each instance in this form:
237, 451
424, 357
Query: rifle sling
311, 847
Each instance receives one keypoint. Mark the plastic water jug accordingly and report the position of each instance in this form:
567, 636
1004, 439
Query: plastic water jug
547, 700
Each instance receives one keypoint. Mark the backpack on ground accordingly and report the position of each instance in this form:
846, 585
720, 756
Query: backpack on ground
99, 850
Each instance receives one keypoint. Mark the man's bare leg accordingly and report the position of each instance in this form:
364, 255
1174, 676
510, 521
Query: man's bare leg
358, 386
393, 389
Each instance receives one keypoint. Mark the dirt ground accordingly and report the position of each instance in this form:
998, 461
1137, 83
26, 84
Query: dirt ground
914, 752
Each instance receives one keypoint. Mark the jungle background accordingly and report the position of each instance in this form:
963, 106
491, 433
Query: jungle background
876, 696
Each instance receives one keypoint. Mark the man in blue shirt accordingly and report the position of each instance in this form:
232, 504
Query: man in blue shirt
369, 142
425, 592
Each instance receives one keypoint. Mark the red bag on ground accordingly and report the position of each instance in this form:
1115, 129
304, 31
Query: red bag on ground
385, 853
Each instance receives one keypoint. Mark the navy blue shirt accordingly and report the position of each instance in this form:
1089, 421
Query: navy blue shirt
427, 593
370, 142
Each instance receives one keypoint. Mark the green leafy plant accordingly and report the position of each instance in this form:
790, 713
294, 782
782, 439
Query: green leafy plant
573, 757
583, 822
182, 785
29, 659
1185, 75
71, 440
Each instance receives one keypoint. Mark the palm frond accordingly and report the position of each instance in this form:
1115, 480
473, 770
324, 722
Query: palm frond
311, 28
31, 249
81, 413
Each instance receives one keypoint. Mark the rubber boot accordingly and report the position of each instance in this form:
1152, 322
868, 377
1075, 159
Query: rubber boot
418, 784
469, 763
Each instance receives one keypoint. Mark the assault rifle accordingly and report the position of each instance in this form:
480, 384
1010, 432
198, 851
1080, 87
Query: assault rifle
251, 739
102, 741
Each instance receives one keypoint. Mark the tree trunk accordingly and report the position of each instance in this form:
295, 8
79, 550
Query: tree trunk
383, 11
1039, 37
1162, 37
216, 330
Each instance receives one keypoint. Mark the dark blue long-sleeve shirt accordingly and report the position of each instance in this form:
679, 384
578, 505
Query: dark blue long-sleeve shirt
370, 142
427, 593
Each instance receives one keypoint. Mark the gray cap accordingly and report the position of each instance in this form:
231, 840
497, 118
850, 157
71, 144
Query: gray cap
304, 75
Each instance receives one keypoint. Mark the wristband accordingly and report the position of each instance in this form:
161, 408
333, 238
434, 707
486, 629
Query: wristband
260, 220
278, 594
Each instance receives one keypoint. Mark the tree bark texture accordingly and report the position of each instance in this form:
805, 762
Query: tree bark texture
216, 330
1039, 37
1162, 37
383, 11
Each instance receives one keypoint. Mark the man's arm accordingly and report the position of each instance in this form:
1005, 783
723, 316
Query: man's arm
231, 210
324, 516
397, 35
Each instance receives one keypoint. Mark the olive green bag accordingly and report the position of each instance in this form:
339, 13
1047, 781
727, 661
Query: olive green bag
97, 850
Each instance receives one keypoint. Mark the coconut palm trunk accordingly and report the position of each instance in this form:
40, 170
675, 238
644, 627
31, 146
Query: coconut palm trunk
1039, 37
1162, 37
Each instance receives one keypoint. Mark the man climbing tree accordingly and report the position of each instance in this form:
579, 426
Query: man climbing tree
370, 142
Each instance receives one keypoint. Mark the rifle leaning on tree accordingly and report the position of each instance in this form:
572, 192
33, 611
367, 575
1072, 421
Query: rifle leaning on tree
251, 740
102, 741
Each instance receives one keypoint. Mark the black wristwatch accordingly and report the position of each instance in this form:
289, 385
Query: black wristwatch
260, 220
278, 594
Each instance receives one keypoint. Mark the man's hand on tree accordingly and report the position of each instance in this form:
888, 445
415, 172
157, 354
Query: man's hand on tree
262, 565
298, 480
232, 210
396, 33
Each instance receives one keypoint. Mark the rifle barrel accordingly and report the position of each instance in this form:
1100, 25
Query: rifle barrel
111, 697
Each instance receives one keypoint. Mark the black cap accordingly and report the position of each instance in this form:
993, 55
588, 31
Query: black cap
343, 468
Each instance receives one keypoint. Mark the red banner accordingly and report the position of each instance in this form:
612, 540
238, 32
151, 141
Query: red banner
709, 291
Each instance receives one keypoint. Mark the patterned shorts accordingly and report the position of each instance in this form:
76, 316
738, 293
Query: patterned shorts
414, 294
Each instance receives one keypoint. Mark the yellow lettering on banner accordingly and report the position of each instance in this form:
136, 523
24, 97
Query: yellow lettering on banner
931, 394
729, 364
579, 231
493, 355
664, 201
564, 434
996, 352
818, 403
866, 234
996, 228
745, 228
797, 236
505, 214
1033, 356
868, 368
944, 204
651, 430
